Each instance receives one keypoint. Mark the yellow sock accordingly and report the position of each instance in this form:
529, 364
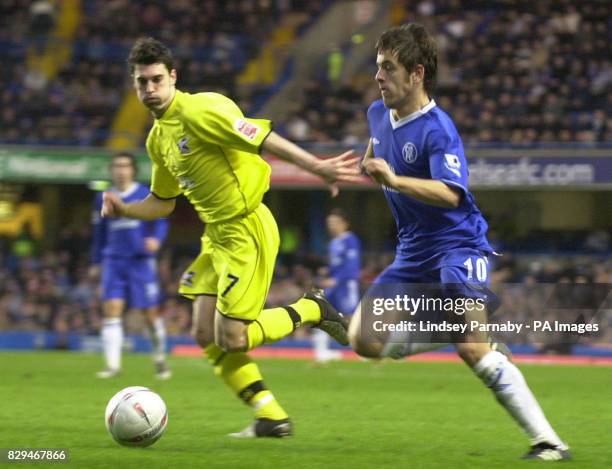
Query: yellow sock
275, 323
308, 310
242, 376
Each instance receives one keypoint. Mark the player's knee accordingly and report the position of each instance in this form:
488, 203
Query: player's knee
151, 315
364, 348
231, 334
367, 350
232, 343
202, 338
113, 308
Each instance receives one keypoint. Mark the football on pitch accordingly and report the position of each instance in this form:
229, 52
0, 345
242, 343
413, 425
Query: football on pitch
136, 416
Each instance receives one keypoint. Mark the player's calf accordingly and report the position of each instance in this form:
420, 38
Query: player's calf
203, 338
472, 352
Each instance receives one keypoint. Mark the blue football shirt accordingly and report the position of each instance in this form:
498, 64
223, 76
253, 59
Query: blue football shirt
124, 237
426, 145
345, 257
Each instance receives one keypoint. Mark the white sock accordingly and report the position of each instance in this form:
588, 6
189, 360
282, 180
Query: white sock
509, 386
158, 338
112, 340
320, 340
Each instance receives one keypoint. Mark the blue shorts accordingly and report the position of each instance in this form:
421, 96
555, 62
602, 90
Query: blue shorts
344, 296
460, 272
133, 280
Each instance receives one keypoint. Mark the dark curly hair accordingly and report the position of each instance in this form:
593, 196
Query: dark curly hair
148, 51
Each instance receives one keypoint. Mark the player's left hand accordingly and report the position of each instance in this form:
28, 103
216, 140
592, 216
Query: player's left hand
379, 170
339, 169
151, 244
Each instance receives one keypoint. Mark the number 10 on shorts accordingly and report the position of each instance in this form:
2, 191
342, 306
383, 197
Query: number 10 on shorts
481, 268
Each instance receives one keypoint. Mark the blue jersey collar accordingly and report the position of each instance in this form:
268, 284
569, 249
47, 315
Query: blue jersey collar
410, 117
129, 191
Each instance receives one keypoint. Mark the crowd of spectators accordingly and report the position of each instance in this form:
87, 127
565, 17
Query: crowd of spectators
212, 40
329, 115
519, 72
52, 291
523, 72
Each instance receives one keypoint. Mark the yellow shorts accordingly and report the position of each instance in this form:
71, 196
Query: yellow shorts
236, 264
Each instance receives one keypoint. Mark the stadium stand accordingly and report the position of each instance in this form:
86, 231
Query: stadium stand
212, 41
510, 73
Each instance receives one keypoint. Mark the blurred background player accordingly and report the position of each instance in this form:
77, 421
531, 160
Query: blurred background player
124, 253
342, 277
417, 155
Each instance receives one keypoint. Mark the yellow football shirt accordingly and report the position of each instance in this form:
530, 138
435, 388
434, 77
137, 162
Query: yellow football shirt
204, 148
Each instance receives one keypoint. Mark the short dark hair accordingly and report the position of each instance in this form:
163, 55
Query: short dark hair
412, 45
129, 156
148, 51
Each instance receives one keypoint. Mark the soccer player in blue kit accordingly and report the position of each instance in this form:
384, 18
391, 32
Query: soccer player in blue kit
417, 156
125, 252
342, 282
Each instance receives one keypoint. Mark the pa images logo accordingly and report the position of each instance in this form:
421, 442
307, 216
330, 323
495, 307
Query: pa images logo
409, 152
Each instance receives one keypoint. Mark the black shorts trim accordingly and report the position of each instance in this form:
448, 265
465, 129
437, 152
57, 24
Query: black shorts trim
193, 296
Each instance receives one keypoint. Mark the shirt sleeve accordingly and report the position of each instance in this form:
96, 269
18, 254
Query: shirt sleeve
447, 161
217, 119
163, 184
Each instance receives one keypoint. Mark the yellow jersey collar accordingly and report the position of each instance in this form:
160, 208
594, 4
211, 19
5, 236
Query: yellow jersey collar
169, 113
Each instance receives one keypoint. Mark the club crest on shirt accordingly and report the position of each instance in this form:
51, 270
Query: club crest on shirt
409, 152
182, 145
247, 129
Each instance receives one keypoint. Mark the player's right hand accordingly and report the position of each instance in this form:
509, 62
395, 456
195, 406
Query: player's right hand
341, 168
112, 205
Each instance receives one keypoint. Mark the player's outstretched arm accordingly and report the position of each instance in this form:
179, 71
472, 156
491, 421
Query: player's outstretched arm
429, 191
150, 208
341, 168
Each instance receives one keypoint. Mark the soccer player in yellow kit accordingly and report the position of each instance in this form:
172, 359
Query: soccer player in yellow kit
203, 147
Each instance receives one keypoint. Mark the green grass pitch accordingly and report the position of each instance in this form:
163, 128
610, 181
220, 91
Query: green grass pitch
348, 415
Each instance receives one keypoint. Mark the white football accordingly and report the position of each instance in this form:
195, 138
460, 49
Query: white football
136, 416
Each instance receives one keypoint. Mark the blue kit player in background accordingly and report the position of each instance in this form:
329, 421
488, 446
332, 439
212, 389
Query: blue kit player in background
342, 277
417, 156
125, 252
